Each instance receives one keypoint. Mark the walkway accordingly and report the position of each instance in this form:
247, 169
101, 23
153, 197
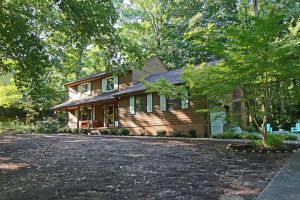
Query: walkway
286, 184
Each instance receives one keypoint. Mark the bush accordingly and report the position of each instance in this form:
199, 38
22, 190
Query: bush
16, 127
67, 130
274, 141
104, 132
256, 144
48, 125
226, 135
290, 137
124, 131
249, 136
161, 133
192, 133
82, 131
113, 131
178, 134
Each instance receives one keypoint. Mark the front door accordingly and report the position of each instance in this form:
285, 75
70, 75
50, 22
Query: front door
109, 115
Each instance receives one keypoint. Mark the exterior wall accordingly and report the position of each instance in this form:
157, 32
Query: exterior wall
72, 119
180, 120
72, 90
96, 87
152, 66
99, 115
125, 80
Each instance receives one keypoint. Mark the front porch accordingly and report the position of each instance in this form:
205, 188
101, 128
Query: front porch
93, 116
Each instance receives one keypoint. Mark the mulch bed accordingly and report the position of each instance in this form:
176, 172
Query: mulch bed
93, 167
286, 148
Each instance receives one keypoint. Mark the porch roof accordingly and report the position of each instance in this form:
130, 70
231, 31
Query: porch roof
84, 101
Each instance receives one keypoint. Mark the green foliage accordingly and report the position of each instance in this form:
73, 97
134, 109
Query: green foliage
177, 133
161, 133
192, 133
16, 127
67, 130
10, 95
249, 136
274, 141
104, 131
48, 125
258, 55
47, 43
226, 135
168, 88
256, 144
124, 131
290, 137
113, 131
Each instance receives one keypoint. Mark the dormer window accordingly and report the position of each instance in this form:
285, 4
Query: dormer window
85, 88
110, 84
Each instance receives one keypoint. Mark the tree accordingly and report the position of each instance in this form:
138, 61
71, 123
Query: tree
46, 43
260, 56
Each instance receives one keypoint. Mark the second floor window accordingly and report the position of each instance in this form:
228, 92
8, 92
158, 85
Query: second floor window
110, 84
141, 103
84, 88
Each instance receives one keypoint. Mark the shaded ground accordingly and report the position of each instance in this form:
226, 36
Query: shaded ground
82, 167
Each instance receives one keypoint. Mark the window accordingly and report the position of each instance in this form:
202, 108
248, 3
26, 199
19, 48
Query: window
84, 88
173, 103
110, 84
141, 103
86, 114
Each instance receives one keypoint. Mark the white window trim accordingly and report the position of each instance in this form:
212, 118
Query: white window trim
115, 83
89, 89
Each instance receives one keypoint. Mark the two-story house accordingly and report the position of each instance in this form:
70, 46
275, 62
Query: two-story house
107, 101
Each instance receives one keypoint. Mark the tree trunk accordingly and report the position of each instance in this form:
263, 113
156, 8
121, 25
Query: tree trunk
264, 128
79, 61
255, 7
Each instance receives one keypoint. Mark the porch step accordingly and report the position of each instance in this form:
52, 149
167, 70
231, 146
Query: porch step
93, 131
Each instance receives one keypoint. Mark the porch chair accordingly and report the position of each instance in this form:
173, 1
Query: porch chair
296, 128
269, 128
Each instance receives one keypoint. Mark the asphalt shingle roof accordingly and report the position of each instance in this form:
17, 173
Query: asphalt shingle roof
172, 76
77, 102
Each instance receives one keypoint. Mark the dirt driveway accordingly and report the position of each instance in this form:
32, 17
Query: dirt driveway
88, 167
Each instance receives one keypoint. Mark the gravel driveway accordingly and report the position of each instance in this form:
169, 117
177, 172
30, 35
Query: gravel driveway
101, 167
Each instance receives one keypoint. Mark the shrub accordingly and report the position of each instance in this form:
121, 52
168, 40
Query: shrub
290, 137
124, 131
256, 144
226, 135
274, 141
176, 133
104, 131
16, 127
249, 136
82, 131
113, 131
161, 133
192, 133
48, 125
